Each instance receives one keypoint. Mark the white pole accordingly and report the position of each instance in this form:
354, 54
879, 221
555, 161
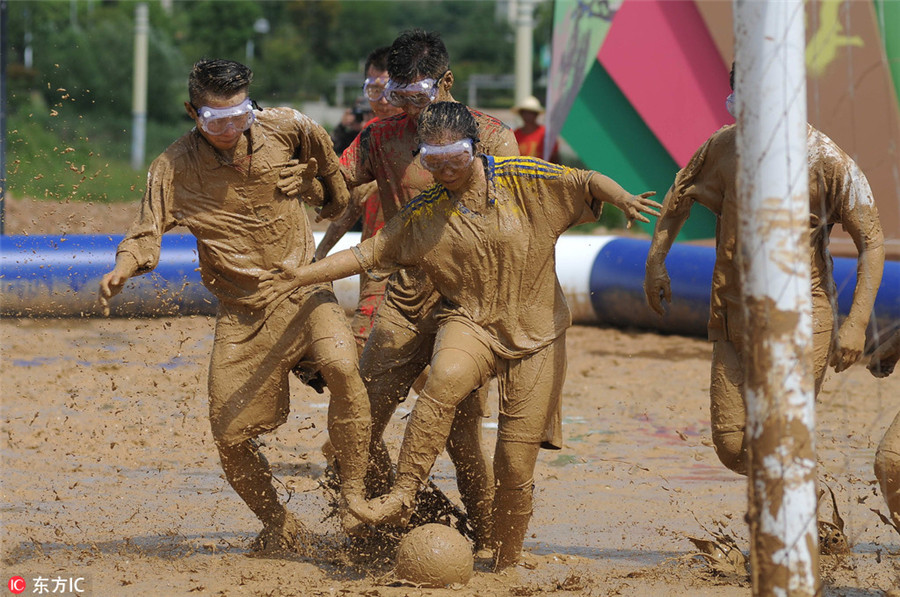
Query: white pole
773, 193
139, 97
524, 48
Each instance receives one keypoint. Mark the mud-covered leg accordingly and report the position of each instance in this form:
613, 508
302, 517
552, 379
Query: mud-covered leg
426, 434
394, 356
349, 421
513, 500
887, 468
726, 406
385, 392
474, 475
248, 472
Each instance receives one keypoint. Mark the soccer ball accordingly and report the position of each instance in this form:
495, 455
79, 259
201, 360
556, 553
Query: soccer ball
434, 555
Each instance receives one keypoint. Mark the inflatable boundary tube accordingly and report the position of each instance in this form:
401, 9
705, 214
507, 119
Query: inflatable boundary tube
601, 276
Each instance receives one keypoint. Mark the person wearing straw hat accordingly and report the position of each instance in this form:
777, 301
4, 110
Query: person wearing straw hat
530, 136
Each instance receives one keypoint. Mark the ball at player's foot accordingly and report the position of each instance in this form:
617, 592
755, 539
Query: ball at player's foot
434, 555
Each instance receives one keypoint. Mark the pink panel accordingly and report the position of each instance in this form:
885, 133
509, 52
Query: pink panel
665, 62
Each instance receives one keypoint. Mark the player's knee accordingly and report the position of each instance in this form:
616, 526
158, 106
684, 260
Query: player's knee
452, 378
887, 468
342, 376
729, 446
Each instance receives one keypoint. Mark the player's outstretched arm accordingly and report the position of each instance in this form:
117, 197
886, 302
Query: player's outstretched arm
334, 267
634, 207
113, 282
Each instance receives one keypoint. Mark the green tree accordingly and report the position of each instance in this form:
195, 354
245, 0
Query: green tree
220, 29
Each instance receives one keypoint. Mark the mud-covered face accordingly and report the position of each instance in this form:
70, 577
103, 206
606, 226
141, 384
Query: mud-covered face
450, 160
222, 120
453, 156
374, 90
414, 97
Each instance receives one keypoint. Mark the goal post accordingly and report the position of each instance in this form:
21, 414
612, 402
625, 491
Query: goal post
773, 249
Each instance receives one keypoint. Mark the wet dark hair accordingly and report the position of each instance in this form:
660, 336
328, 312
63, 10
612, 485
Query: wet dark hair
417, 53
215, 78
378, 59
446, 117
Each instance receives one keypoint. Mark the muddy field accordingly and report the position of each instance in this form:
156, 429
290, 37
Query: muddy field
110, 474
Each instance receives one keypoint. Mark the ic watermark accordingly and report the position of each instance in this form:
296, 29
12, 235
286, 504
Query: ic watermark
56, 585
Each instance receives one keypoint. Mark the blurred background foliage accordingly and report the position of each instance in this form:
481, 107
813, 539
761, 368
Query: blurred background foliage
70, 62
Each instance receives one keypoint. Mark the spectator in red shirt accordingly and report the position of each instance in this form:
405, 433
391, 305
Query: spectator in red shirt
530, 136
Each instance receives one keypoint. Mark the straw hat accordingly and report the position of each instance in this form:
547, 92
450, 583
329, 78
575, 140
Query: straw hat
530, 103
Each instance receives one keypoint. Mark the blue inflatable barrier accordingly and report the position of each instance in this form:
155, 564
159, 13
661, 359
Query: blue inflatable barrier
602, 277
617, 294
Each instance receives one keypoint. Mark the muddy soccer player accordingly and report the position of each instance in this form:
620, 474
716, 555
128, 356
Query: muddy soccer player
887, 456
401, 340
838, 194
222, 181
485, 235
365, 204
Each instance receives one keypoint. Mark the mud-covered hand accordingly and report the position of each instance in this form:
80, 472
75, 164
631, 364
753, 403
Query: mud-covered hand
850, 343
638, 205
270, 280
881, 367
885, 357
297, 178
657, 286
113, 282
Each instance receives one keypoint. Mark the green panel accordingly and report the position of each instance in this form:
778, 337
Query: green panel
609, 136
888, 12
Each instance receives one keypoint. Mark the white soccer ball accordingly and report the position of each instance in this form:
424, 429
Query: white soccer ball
434, 555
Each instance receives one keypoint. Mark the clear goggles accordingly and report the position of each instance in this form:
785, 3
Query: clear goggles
456, 155
419, 94
374, 89
216, 121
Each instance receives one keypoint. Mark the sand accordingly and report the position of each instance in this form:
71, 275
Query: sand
109, 471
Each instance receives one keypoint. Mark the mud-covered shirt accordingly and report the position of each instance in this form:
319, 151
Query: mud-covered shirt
244, 225
838, 193
385, 152
494, 264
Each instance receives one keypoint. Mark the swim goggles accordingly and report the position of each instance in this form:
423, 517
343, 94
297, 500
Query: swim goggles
456, 155
373, 89
216, 121
419, 94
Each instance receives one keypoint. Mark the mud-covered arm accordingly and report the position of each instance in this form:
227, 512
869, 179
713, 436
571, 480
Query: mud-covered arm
603, 188
336, 195
657, 285
379, 252
859, 218
314, 175
340, 226
139, 251
676, 207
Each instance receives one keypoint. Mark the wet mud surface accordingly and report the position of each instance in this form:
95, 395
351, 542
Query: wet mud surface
109, 471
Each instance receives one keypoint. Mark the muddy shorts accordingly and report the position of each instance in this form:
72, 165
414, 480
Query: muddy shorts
249, 390
727, 410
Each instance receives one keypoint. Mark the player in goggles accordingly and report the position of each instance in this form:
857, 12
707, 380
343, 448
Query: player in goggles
215, 121
374, 89
419, 94
455, 156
